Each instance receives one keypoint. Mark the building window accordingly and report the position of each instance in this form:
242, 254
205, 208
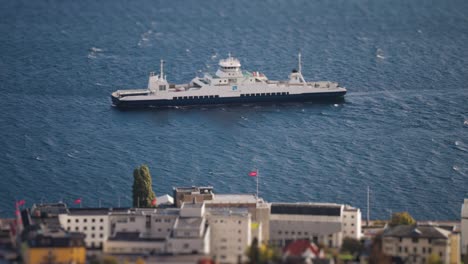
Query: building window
77, 220
415, 249
85, 220
352, 216
101, 235
68, 221
441, 254
240, 222
92, 235
186, 245
101, 220
424, 250
399, 249
415, 240
68, 228
429, 250
93, 220
85, 228
406, 250
279, 232
76, 228
101, 228
92, 228
132, 219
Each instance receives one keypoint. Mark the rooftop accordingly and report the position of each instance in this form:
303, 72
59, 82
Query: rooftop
413, 231
96, 211
306, 209
188, 223
235, 199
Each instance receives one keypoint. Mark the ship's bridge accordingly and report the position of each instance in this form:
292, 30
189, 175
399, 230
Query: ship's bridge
229, 68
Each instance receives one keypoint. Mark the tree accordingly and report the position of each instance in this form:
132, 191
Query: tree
434, 259
259, 254
351, 246
376, 255
142, 191
402, 218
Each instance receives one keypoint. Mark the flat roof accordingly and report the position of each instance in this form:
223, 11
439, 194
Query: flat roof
234, 198
188, 223
306, 209
96, 211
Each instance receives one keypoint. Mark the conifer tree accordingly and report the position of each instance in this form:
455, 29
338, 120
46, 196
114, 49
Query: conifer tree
142, 191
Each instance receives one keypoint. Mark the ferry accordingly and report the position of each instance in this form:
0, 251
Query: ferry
229, 85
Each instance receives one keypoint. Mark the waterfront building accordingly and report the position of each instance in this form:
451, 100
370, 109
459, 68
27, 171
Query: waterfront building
44, 245
231, 234
92, 222
323, 223
415, 244
257, 207
464, 227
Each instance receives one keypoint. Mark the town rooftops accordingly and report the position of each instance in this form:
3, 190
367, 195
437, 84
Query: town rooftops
413, 231
306, 209
42, 236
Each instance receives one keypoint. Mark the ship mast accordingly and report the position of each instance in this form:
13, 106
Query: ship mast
162, 69
299, 67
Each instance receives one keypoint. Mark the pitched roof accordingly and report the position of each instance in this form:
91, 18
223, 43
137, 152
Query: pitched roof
298, 247
413, 231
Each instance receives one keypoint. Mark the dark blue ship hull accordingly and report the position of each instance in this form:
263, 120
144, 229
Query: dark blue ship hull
316, 97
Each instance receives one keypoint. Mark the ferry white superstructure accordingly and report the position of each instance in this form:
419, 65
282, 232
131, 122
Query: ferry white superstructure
229, 85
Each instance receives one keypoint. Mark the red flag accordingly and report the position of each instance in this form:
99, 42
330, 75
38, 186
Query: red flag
253, 174
77, 201
153, 202
20, 203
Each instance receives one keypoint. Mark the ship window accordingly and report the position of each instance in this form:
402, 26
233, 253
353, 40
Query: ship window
242, 95
216, 96
162, 87
190, 97
263, 94
268, 94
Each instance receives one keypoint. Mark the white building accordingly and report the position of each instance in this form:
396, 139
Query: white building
231, 234
318, 222
93, 222
464, 227
351, 222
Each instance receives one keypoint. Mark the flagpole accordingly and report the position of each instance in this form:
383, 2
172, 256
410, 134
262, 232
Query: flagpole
258, 175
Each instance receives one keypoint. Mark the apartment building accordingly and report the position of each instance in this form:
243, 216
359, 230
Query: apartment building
231, 234
415, 244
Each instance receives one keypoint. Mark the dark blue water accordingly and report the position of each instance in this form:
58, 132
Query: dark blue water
402, 130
